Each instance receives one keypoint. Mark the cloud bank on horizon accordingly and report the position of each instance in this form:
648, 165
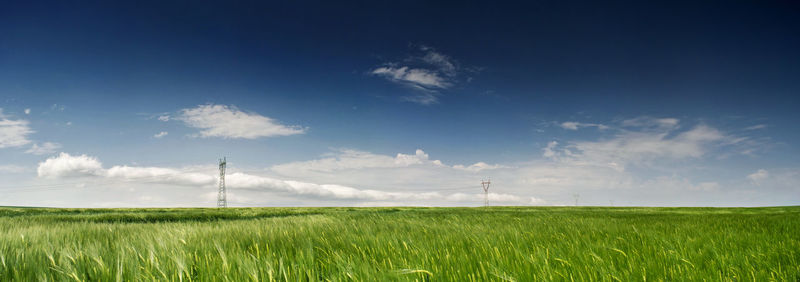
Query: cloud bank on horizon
620, 162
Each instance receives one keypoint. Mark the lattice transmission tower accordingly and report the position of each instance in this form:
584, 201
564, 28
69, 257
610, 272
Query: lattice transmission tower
222, 197
485, 184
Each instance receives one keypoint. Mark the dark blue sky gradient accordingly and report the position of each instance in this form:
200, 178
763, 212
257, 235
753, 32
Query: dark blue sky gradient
729, 63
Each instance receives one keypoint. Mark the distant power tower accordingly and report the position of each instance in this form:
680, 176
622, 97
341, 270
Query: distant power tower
576, 196
222, 197
485, 184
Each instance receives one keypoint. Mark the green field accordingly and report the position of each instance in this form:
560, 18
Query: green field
369, 244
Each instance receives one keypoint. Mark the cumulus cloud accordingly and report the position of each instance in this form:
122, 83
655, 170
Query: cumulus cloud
758, 176
428, 73
230, 122
66, 165
27, 111
13, 132
160, 134
45, 148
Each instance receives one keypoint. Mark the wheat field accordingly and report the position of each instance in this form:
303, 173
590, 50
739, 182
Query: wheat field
401, 244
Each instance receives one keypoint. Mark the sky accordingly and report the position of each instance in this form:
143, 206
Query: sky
390, 103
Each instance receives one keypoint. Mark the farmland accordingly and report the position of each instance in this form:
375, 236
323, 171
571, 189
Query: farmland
399, 244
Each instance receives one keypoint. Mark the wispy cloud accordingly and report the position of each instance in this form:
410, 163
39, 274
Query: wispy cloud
758, 176
45, 148
13, 132
645, 139
12, 169
421, 79
160, 134
229, 122
756, 127
57, 107
353, 160
428, 72
574, 125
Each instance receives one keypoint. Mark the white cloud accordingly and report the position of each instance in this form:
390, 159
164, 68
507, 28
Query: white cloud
756, 127
641, 146
422, 98
707, 186
160, 175
45, 148
160, 134
27, 111
758, 176
241, 180
13, 133
339, 192
66, 165
12, 169
549, 151
427, 73
646, 122
573, 125
495, 198
352, 159
479, 166
421, 79
444, 63
641, 162
164, 117
229, 122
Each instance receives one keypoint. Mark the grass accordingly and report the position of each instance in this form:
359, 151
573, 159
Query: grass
389, 244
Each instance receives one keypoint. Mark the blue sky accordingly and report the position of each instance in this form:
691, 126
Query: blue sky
400, 103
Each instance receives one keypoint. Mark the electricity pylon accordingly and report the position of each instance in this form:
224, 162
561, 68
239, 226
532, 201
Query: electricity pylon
485, 185
222, 197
